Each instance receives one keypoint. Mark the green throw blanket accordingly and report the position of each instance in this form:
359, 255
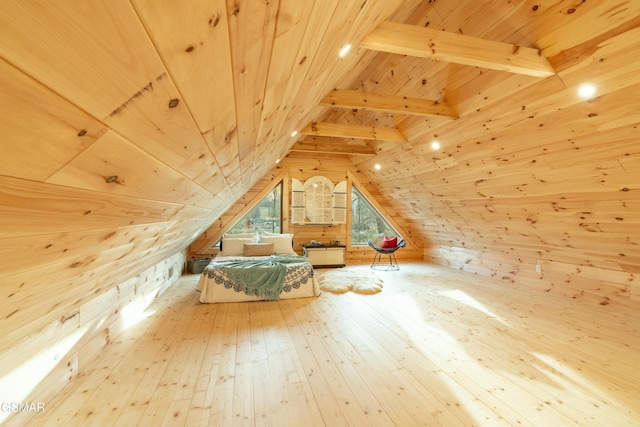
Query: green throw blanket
261, 277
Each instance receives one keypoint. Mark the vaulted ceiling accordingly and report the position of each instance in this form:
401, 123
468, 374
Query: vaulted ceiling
144, 120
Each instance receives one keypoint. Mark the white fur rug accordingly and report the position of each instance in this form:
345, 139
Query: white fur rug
356, 279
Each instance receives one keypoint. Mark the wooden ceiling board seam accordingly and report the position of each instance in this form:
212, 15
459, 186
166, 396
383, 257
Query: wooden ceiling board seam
251, 31
286, 122
432, 85
188, 55
477, 124
494, 14
600, 18
114, 165
291, 28
58, 53
75, 261
170, 134
40, 128
575, 121
190, 40
610, 65
456, 17
520, 28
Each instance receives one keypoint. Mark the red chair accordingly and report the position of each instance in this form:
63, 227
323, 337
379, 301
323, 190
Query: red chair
379, 247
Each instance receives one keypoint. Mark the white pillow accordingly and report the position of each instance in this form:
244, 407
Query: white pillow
234, 247
376, 239
282, 243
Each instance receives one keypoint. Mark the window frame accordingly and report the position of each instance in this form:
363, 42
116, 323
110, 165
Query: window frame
276, 229
360, 194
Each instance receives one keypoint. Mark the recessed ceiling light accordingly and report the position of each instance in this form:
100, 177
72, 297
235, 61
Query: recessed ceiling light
294, 133
277, 161
435, 145
587, 90
345, 49
377, 166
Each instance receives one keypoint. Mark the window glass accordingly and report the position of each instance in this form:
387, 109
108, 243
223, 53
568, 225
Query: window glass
365, 220
265, 216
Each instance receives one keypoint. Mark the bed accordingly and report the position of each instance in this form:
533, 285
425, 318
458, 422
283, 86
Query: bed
252, 268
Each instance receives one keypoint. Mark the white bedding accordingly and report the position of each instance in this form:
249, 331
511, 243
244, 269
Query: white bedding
214, 285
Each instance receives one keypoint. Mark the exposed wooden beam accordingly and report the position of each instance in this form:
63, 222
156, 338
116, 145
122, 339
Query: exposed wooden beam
353, 131
425, 42
311, 146
343, 98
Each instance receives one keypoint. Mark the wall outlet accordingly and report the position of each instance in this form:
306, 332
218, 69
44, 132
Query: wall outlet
538, 268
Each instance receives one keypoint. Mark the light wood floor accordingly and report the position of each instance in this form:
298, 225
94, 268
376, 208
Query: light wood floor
437, 347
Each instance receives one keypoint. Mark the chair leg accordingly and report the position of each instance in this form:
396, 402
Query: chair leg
376, 260
392, 265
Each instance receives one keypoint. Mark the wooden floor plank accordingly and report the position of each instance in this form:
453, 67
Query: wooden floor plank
222, 373
436, 347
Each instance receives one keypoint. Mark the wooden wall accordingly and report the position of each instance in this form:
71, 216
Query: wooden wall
39, 357
302, 166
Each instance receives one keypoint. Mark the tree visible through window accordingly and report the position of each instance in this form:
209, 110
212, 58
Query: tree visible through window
365, 220
265, 216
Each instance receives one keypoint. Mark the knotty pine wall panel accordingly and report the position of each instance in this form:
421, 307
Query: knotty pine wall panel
80, 334
113, 165
62, 132
30, 208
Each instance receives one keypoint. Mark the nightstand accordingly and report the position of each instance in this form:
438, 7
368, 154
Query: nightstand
325, 256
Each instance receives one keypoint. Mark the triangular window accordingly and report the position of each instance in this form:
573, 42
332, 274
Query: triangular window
366, 220
265, 216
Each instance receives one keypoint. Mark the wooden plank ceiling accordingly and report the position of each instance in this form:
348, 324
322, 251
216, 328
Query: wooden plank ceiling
144, 120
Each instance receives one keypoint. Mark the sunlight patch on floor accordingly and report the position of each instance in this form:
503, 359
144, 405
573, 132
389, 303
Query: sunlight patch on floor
465, 299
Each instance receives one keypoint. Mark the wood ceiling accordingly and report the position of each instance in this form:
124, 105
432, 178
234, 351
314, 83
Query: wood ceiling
144, 120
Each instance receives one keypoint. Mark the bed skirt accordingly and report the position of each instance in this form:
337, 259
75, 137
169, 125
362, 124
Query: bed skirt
216, 286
